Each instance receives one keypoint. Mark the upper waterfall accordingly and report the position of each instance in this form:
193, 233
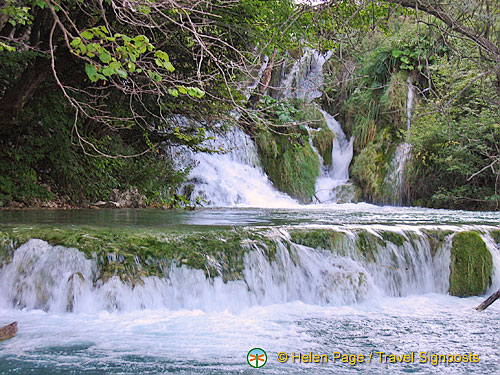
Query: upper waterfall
232, 177
336, 175
305, 79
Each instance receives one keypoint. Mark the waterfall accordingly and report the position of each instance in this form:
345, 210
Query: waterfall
231, 178
396, 190
305, 79
361, 263
409, 105
333, 178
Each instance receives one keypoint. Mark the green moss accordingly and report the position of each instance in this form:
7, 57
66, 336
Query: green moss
367, 244
370, 166
293, 168
133, 254
320, 239
471, 265
436, 238
393, 237
323, 141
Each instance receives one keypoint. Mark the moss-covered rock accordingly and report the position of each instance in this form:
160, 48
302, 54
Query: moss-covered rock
291, 164
393, 237
365, 244
471, 265
323, 141
436, 238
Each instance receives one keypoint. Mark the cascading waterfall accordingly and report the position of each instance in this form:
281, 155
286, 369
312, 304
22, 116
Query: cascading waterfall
57, 279
409, 104
394, 180
231, 178
333, 178
235, 177
305, 79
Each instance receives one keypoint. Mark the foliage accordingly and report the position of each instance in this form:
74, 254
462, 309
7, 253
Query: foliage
323, 141
292, 167
38, 162
371, 165
455, 158
282, 138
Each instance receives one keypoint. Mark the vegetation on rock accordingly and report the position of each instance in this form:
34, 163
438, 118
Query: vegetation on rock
471, 265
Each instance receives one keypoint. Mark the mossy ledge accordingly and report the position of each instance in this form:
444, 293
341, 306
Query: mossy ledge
471, 265
133, 254
365, 243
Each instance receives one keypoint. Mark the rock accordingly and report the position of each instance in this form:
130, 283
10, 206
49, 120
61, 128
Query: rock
110, 204
471, 265
128, 198
8, 331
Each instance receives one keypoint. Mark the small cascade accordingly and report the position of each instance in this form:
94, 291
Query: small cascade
347, 265
409, 104
231, 178
394, 181
305, 78
396, 191
332, 186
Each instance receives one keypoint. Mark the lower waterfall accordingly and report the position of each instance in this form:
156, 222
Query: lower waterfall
360, 264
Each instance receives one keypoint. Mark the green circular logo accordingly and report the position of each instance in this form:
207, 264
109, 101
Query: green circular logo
257, 358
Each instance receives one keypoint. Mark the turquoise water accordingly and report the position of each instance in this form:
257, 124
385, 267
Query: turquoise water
341, 214
216, 340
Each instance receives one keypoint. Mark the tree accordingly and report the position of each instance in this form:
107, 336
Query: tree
134, 63
477, 21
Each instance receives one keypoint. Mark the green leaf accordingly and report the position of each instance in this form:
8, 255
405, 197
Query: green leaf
173, 92
76, 42
6, 47
122, 73
396, 53
105, 57
91, 72
108, 71
154, 76
405, 59
195, 92
169, 66
87, 34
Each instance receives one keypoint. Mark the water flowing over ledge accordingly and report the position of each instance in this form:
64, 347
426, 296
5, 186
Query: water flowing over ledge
233, 270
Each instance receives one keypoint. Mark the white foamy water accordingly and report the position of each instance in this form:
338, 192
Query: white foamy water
197, 342
305, 79
395, 178
301, 299
336, 175
231, 178
57, 279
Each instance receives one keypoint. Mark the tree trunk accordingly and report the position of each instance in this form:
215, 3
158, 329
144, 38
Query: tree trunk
487, 302
264, 82
8, 331
21, 93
